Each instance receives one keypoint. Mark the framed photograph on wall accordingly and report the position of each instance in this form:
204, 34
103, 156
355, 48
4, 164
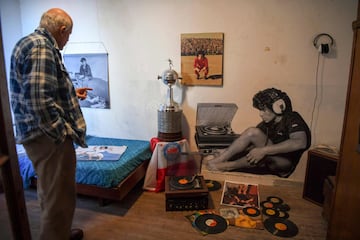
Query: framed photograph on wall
202, 59
90, 69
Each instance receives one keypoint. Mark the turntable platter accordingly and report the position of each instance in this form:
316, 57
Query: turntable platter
182, 182
214, 130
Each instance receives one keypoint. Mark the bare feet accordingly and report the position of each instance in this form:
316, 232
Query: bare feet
211, 166
221, 166
217, 159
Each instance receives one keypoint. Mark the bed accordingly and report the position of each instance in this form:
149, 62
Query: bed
106, 180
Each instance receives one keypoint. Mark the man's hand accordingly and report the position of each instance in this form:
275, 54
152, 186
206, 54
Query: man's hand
255, 156
82, 92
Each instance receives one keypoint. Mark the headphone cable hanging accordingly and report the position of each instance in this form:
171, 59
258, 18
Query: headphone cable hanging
316, 91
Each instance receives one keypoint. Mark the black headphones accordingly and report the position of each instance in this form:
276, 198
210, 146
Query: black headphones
275, 99
279, 105
323, 47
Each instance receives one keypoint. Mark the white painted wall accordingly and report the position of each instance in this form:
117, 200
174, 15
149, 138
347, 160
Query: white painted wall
267, 43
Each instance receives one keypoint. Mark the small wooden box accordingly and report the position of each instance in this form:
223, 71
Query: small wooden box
320, 165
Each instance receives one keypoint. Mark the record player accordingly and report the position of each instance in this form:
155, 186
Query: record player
213, 126
184, 193
186, 189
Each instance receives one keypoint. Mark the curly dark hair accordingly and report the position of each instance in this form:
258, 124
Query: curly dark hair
268, 97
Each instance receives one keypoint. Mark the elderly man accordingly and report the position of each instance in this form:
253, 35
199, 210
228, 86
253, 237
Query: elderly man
48, 120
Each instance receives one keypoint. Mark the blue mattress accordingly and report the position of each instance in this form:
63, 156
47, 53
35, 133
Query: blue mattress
105, 174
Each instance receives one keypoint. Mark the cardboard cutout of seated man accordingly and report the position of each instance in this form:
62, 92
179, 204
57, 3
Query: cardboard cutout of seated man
274, 146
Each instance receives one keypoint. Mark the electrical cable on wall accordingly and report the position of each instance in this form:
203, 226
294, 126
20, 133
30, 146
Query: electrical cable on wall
316, 92
323, 42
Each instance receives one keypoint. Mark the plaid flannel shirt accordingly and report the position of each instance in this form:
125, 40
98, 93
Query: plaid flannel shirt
43, 98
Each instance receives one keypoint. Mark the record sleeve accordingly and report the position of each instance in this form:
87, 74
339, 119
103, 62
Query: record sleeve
242, 195
249, 217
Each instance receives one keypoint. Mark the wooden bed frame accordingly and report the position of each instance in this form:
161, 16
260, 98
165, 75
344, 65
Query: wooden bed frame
117, 193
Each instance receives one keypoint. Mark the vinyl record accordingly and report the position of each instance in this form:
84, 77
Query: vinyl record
211, 223
281, 227
267, 204
283, 214
270, 212
182, 182
275, 200
212, 185
283, 207
214, 130
251, 211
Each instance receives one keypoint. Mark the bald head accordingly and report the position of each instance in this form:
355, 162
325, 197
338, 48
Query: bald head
55, 18
58, 23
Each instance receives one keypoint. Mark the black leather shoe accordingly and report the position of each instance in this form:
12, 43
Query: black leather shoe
76, 234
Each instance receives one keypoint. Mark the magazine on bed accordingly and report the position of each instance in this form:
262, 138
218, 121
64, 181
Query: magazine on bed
240, 205
100, 153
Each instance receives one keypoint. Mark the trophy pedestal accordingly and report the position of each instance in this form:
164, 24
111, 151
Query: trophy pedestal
169, 125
